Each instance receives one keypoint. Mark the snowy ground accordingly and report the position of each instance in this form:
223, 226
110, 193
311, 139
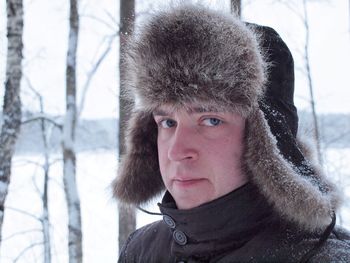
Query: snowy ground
99, 212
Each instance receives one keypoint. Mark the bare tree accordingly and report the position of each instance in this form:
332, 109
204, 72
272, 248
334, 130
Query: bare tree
310, 83
45, 216
127, 215
45, 220
69, 155
12, 104
236, 7
305, 21
33, 244
69, 129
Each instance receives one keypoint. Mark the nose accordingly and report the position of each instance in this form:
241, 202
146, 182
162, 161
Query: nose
184, 144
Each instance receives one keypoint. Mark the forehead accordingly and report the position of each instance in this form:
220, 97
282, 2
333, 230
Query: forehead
190, 108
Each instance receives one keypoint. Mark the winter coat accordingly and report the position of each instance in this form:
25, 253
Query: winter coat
238, 227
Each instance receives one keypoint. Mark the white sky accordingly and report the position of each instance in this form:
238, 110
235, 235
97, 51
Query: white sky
46, 33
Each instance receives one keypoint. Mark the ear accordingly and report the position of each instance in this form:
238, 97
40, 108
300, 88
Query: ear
139, 177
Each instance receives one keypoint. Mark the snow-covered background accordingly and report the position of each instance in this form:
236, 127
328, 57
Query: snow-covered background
45, 40
99, 211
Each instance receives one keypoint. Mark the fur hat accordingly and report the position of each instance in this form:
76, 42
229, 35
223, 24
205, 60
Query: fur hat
191, 54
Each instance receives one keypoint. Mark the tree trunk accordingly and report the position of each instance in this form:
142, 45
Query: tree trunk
45, 217
69, 156
127, 216
12, 103
236, 7
310, 84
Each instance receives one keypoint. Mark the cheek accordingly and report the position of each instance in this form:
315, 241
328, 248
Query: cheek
227, 153
162, 156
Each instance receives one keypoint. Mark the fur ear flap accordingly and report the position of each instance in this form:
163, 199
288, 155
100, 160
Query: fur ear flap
139, 177
303, 197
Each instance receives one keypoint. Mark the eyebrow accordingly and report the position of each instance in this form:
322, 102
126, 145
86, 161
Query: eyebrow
189, 110
202, 109
160, 112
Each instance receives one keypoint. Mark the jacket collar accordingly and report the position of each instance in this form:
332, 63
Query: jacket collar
223, 224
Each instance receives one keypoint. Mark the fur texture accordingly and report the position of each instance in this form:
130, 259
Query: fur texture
308, 200
190, 54
139, 177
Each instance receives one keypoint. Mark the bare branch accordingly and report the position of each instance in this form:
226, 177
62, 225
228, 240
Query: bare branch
113, 28
45, 118
22, 233
36, 187
30, 86
111, 17
38, 164
42, 116
24, 213
291, 7
37, 55
339, 137
92, 72
310, 83
27, 249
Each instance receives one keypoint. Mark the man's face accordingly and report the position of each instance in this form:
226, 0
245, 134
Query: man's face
199, 153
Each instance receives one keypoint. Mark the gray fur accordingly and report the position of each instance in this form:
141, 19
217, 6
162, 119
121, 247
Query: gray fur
139, 177
296, 197
194, 55
191, 54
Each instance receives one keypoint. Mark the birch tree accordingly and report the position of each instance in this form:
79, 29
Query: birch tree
236, 7
12, 103
310, 82
69, 155
45, 134
127, 216
303, 16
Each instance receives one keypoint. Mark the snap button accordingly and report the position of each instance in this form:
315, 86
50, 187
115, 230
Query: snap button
169, 221
180, 237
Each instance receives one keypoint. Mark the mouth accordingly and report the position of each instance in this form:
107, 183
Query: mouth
187, 182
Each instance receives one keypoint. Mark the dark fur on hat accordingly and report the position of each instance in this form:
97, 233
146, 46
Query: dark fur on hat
139, 176
193, 55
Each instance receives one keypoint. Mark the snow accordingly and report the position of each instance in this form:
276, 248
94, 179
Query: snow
99, 211
95, 172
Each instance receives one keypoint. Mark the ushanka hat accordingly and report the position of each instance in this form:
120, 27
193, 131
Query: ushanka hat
193, 55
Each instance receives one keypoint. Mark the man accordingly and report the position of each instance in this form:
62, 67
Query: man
215, 124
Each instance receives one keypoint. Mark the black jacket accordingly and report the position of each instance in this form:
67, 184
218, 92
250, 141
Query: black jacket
238, 227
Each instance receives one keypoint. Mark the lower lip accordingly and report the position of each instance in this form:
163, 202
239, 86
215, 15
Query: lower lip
188, 183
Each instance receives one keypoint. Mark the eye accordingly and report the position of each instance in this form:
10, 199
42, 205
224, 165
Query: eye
167, 123
212, 121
